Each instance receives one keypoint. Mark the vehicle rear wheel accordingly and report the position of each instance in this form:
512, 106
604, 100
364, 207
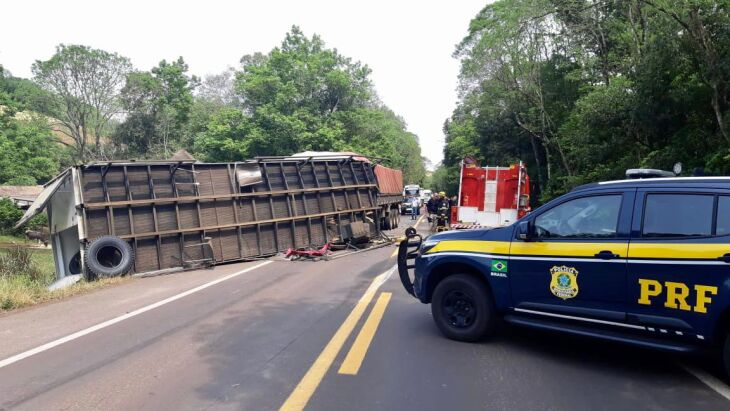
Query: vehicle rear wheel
396, 219
463, 309
387, 222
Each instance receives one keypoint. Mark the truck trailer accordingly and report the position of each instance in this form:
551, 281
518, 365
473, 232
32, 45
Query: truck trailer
110, 218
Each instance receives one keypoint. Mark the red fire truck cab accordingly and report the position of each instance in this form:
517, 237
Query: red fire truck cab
491, 196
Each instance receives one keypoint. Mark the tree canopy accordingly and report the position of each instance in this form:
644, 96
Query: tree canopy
28, 150
582, 90
85, 104
303, 96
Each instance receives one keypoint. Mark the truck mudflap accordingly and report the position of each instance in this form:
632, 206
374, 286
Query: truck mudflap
407, 253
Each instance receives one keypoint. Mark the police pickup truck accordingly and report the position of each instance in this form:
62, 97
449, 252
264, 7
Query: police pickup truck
644, 262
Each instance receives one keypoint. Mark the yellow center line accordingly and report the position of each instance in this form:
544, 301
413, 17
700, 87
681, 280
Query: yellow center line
299, 398
395, 252
419, 220
359, 348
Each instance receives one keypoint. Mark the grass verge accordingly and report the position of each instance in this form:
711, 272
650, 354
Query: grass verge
25, 275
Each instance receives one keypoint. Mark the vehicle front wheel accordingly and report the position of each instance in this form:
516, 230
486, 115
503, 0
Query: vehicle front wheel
463, 309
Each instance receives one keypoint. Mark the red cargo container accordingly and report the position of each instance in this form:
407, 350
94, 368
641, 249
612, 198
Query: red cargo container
390, 187
390, 181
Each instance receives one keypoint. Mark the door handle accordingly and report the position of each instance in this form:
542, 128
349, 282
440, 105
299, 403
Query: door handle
609, 255
725, 258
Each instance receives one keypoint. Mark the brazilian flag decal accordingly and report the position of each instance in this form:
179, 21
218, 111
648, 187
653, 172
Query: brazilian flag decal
499, 266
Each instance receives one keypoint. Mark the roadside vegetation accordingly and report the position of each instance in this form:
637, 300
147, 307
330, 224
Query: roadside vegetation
25, 275
86, 104
583, 90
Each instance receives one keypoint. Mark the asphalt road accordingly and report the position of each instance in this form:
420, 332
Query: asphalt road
329, 335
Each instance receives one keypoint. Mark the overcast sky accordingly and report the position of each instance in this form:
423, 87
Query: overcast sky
407, 44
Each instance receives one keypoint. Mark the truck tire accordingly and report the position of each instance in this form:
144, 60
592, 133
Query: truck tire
109, 256
385, 221
463, 309
396, 219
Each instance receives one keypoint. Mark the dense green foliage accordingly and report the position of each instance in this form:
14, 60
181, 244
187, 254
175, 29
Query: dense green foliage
28, 151
10, 214
158, 105
84, 85
303, 96
581, 90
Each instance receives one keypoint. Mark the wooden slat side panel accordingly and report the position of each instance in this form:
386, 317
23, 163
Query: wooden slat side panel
138, 182
249, 241
143, 221
302, 234
221, 179
170, 249
122, 225
146, 258
229, 240
283, 234
193, 249
307, 176
245, 210
292, 178
215, 242
281, 208
161, 178
224, 208
97, 226
263, 211
91, 180
166, 218
189, 216
318, 237
268, 245
115, 185
207, 213
184, 180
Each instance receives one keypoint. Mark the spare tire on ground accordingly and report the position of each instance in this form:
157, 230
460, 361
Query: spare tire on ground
109, 256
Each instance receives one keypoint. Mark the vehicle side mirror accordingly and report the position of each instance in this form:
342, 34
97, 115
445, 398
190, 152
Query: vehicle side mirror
525, 230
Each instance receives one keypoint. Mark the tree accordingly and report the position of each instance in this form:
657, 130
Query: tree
157, 104
28, 153
86, 83
220, 89
583, 90
304, 96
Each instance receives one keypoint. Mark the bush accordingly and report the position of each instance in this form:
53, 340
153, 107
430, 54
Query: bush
9, 215
18, 261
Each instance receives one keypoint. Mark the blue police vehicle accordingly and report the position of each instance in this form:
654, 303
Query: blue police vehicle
644, 262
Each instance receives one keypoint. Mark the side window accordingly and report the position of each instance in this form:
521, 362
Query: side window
587, 217
723, 215
678, 215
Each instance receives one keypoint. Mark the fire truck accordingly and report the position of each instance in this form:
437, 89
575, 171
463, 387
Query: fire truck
490, 196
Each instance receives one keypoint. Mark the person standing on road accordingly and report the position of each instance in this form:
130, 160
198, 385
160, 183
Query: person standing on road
442, 208
431, 206
415, 205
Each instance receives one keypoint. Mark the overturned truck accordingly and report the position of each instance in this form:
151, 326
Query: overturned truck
145, 216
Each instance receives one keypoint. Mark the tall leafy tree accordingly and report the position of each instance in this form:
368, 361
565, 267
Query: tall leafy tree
86, 83
305, 96
28, 151
157, 104
582, 90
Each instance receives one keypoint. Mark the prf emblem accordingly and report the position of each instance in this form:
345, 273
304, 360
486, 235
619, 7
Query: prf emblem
564, 283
